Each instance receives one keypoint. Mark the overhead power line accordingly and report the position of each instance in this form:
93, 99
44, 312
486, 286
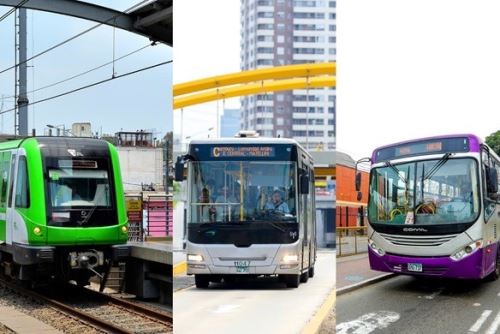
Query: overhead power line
85, 72
92, 85
13, 9
70, 38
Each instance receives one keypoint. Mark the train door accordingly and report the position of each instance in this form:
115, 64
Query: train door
5, 162
10, 210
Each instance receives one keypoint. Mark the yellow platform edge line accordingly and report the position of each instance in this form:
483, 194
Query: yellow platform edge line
314, 324
180, 268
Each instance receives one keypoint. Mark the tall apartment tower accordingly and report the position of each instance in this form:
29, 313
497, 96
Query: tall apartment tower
285, 32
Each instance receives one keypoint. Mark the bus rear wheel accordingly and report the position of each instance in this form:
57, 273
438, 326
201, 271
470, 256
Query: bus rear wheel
311, 272
201, 281
304, 277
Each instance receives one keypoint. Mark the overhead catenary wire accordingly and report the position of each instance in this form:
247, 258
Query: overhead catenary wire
70, 38
93, 84
13, 9
87, 71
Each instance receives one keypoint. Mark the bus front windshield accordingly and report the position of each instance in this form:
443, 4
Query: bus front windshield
237, 191
430, 192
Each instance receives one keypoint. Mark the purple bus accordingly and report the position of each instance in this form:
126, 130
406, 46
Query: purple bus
434, 208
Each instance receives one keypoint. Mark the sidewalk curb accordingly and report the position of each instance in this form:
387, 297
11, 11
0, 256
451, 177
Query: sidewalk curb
326, 307
180, 268
362, 284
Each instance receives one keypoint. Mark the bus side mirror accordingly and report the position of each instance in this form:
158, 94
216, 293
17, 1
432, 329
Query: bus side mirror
179, 170
491, 180
304, 184
358, 182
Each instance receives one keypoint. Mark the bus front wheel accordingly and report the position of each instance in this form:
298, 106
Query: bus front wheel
201, 281
291, 281
311, 272
496, 272
304, 277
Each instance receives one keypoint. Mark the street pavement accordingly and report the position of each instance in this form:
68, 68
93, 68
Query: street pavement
261, 305
405, 304
354, 269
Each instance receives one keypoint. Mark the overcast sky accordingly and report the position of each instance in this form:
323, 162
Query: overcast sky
408, 69
207, 43
140, 101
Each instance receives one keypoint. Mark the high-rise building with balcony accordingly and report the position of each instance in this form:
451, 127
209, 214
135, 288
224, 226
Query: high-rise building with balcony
284, 32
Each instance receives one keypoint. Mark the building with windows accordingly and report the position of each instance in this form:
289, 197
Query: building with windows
283, 32
230, 123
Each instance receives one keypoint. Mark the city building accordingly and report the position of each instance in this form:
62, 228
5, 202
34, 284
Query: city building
230, 123
279, 32
349, 211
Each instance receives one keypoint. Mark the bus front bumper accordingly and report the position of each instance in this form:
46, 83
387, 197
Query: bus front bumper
198, 268
475, 266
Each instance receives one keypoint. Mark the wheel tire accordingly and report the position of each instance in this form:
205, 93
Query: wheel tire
304, 277
201, 281
311, 272
496, 272
292, 281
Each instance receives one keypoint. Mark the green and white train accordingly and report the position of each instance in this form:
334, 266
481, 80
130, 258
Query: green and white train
62, 208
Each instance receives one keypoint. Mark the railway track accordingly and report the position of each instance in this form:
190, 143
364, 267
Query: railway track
100, 311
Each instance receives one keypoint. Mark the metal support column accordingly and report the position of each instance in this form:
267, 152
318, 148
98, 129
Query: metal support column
22, 100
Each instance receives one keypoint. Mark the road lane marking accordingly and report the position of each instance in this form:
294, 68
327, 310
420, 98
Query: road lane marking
477, 325
314, 324
368, 323
180, 268
476, 304
494, 325
226, 308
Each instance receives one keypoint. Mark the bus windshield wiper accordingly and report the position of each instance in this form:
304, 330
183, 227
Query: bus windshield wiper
437, 166
397, 171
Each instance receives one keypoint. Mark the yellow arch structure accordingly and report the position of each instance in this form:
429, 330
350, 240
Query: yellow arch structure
301, 76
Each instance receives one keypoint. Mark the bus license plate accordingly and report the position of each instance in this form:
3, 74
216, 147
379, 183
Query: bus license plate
242, 266
416, 267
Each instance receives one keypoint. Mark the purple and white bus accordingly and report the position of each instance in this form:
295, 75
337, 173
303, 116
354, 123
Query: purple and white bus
434, 208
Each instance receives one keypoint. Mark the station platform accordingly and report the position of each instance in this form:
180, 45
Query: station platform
22, 323
148, 273
160, 252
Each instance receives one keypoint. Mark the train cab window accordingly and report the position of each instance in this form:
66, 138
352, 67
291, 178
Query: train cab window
22, 191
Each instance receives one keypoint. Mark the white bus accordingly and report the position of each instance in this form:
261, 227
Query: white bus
250, 209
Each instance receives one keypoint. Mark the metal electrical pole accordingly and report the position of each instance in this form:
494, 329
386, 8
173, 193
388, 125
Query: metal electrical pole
22, 100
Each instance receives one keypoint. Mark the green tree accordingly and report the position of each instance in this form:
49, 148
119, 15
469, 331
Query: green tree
493, 141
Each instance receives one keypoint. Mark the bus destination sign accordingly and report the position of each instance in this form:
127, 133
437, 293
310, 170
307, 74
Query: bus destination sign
242, 151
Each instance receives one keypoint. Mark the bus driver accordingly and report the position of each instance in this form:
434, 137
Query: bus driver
277, 203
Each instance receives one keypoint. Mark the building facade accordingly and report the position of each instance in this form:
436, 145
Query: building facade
282, 32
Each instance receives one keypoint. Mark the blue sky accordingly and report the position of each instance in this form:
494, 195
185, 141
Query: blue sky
140, 101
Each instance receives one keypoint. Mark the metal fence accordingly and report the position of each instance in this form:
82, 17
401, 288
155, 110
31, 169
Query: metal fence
352, 240
151, 216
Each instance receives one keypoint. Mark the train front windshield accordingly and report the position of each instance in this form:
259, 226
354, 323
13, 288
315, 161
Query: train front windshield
430, 192
242, 191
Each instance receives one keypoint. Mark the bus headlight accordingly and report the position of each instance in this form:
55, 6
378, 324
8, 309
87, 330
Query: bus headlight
291, 258
467, 250
195, 258
375, 248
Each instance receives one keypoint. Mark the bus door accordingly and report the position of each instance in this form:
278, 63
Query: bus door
306, 205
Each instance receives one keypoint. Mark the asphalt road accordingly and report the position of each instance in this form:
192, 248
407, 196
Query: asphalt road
262, 305
408, 305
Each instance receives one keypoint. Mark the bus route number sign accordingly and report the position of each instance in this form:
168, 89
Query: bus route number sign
242, 266
242, 151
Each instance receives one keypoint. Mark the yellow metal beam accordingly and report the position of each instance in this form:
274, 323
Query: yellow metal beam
254, 88
278, 72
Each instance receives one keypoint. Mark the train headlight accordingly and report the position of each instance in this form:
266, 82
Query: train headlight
195, 258
375, 248
37, 230
124, 229
467, 250
290, 258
